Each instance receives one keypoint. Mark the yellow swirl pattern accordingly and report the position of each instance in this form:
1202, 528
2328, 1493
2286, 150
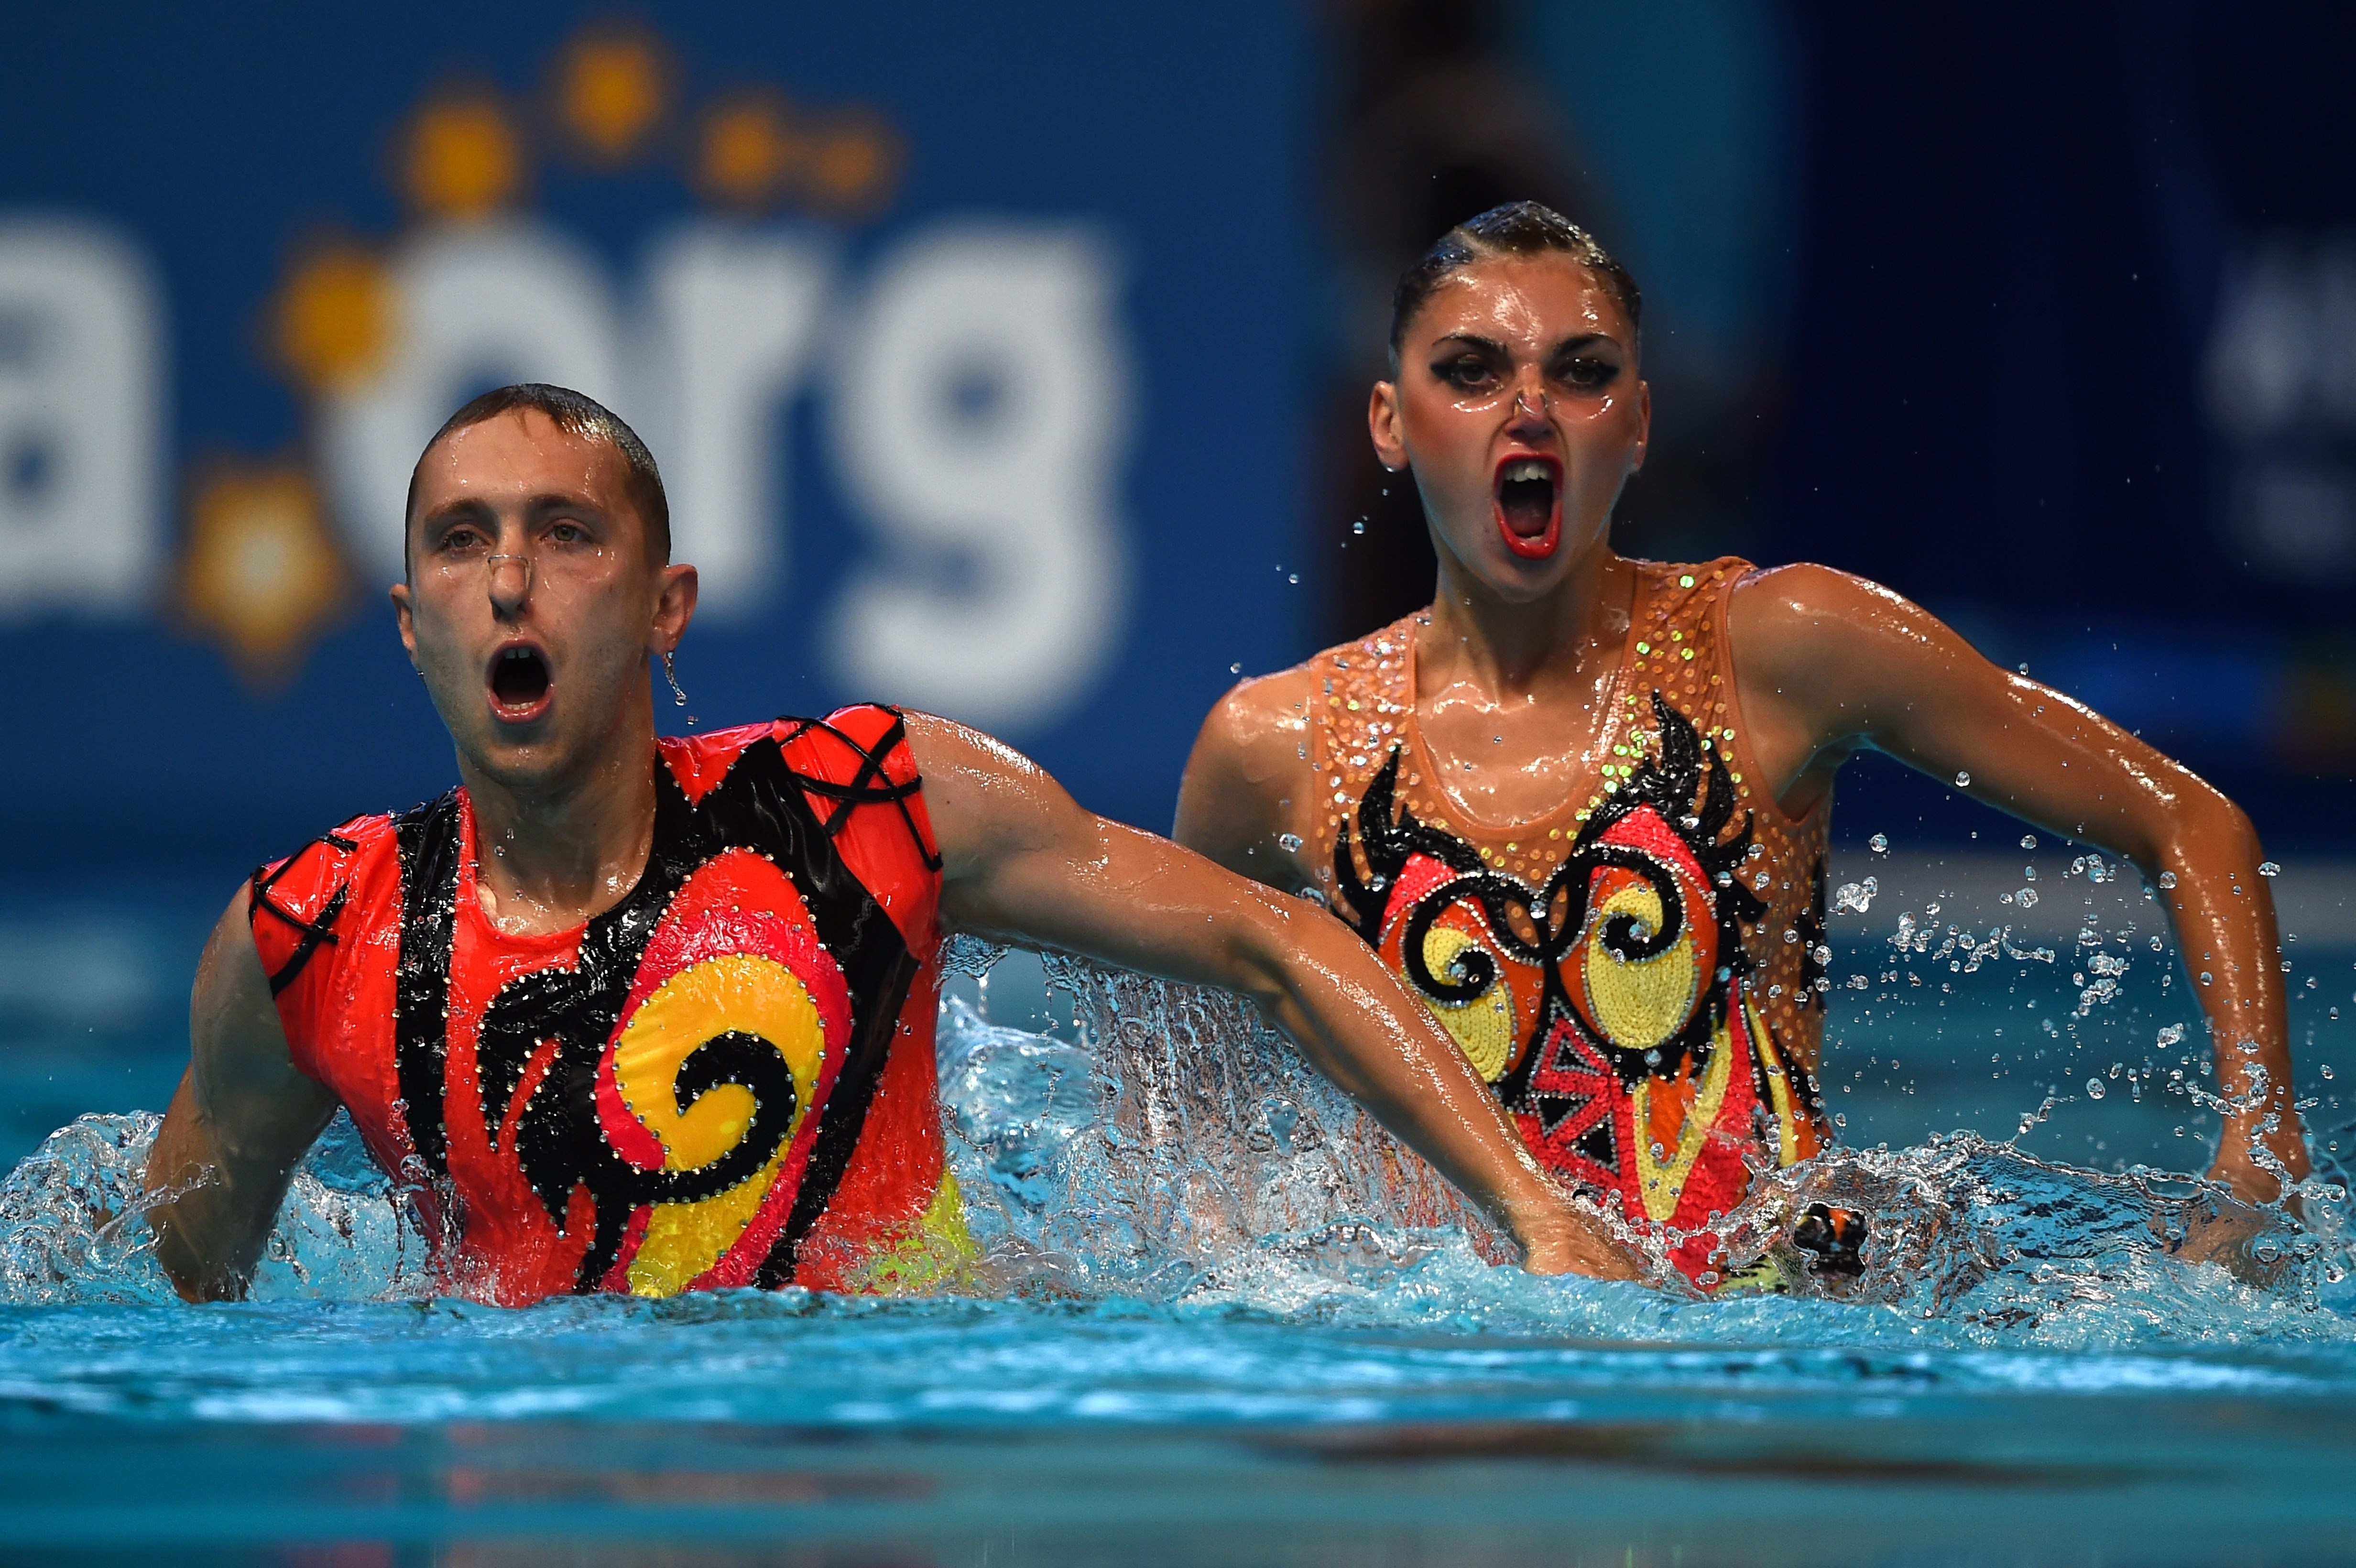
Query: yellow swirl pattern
1640, 1003
1481, 1027
1664, 1183
742, 992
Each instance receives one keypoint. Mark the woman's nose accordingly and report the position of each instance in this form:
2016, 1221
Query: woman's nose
1531, 405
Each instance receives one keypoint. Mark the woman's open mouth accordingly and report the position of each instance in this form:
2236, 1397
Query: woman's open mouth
1529, 504
520, 683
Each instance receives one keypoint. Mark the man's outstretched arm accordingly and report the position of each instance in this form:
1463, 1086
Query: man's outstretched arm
1025, 864
243, 1115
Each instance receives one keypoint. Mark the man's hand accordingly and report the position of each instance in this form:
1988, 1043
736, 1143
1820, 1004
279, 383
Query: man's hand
1023, 864
243, 1115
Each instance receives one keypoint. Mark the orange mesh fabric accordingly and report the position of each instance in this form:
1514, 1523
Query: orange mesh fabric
1639, 971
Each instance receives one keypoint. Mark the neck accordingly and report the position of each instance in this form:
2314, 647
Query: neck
1511, 648
551, 853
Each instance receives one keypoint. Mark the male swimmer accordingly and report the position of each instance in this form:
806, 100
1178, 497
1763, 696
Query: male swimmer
648, 1015
1580, 803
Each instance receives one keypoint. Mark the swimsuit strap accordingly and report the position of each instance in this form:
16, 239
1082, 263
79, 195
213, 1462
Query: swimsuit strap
313, 933
863, 789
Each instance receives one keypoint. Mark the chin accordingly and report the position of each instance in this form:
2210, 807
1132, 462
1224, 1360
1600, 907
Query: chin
1519, 581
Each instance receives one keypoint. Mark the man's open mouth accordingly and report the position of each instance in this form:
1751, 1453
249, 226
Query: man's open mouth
1529, 513
519, 682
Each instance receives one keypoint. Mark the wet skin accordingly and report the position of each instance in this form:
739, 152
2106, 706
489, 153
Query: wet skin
559, 761
1516, 359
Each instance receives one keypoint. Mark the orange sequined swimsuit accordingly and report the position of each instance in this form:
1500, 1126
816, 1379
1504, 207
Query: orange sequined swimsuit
727, 1078
1639, 973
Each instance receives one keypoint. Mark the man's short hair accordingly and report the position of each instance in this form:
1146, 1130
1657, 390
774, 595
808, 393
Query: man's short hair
578, 415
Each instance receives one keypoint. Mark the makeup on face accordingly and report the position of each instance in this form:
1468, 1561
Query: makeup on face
1520, 411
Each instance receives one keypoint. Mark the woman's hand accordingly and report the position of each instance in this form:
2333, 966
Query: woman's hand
2239, 1167
1559, 1237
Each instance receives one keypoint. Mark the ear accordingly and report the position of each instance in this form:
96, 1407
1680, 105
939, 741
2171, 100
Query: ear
1382, 424
675, 590
1643, 426
404, 611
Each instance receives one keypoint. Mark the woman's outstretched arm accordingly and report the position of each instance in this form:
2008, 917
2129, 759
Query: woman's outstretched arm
1827, 664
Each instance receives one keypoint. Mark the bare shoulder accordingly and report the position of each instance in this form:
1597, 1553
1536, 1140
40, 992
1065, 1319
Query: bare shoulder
1258, 730
985, 798
1790, 621
236, 1040
949, 754
1250, 763
1804, 597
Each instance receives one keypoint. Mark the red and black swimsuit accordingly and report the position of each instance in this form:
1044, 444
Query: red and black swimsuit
726, 1079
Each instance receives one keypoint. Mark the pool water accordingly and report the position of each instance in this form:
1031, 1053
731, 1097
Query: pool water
1215, 1323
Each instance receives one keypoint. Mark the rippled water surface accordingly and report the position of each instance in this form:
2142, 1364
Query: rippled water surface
1221, 1320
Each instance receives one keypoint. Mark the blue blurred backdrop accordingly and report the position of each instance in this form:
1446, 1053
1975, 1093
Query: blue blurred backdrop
1012, 362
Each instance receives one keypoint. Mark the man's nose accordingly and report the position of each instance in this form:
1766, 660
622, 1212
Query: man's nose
511, 583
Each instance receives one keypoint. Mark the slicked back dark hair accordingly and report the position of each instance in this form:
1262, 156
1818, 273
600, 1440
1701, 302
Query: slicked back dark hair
1516, 228
575, 414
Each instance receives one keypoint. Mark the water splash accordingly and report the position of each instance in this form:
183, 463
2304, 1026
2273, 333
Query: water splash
1182, 1153
73, 1228
1177, 1156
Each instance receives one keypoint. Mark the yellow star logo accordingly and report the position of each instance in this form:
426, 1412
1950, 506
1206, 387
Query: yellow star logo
752, 150
260, 574
332, 323
462, 157
612, 86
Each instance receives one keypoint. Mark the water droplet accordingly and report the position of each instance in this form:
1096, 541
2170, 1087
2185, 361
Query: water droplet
1962, 781
2325, 1070
2167, 879
1293, 578
2029, 840
1290, 841
2268, 869
1359, 527
1879, 842
2027, 898
2204, 977
2094, 1088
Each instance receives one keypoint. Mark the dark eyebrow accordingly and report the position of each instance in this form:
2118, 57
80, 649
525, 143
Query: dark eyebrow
540, 506
1473, 340
467, 508
1584, 340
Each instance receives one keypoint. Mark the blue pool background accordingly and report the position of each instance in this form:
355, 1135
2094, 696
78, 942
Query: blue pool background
1376, 1394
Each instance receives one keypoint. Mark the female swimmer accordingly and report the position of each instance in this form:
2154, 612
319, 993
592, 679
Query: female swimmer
1580, 803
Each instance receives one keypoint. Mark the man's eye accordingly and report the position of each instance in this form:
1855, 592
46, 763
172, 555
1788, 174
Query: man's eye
568, 533
464, 542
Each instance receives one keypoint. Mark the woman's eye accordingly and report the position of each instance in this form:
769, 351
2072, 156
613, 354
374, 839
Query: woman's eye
1587, 374
1465, 372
